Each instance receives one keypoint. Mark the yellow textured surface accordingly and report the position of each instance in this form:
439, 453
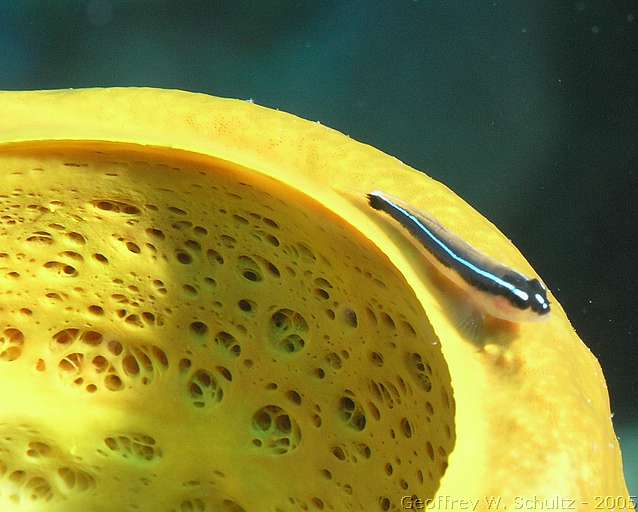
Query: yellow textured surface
193, 317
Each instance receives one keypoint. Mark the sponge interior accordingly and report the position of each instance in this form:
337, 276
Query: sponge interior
180, 334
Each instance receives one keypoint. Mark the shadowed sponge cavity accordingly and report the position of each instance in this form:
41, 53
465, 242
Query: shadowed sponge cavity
185, 336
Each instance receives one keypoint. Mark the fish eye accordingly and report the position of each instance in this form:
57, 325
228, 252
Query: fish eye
538, 284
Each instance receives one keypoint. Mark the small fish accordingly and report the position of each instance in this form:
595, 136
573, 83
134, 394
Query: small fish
494, 289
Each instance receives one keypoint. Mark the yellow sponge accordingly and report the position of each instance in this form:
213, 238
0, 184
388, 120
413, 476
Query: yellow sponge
194, 318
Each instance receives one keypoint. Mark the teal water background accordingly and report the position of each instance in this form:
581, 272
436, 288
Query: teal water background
526, 109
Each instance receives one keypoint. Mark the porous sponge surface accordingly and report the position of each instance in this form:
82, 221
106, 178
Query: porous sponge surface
180, 335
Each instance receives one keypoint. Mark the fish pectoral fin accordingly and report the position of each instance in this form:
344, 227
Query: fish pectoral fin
470, 321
